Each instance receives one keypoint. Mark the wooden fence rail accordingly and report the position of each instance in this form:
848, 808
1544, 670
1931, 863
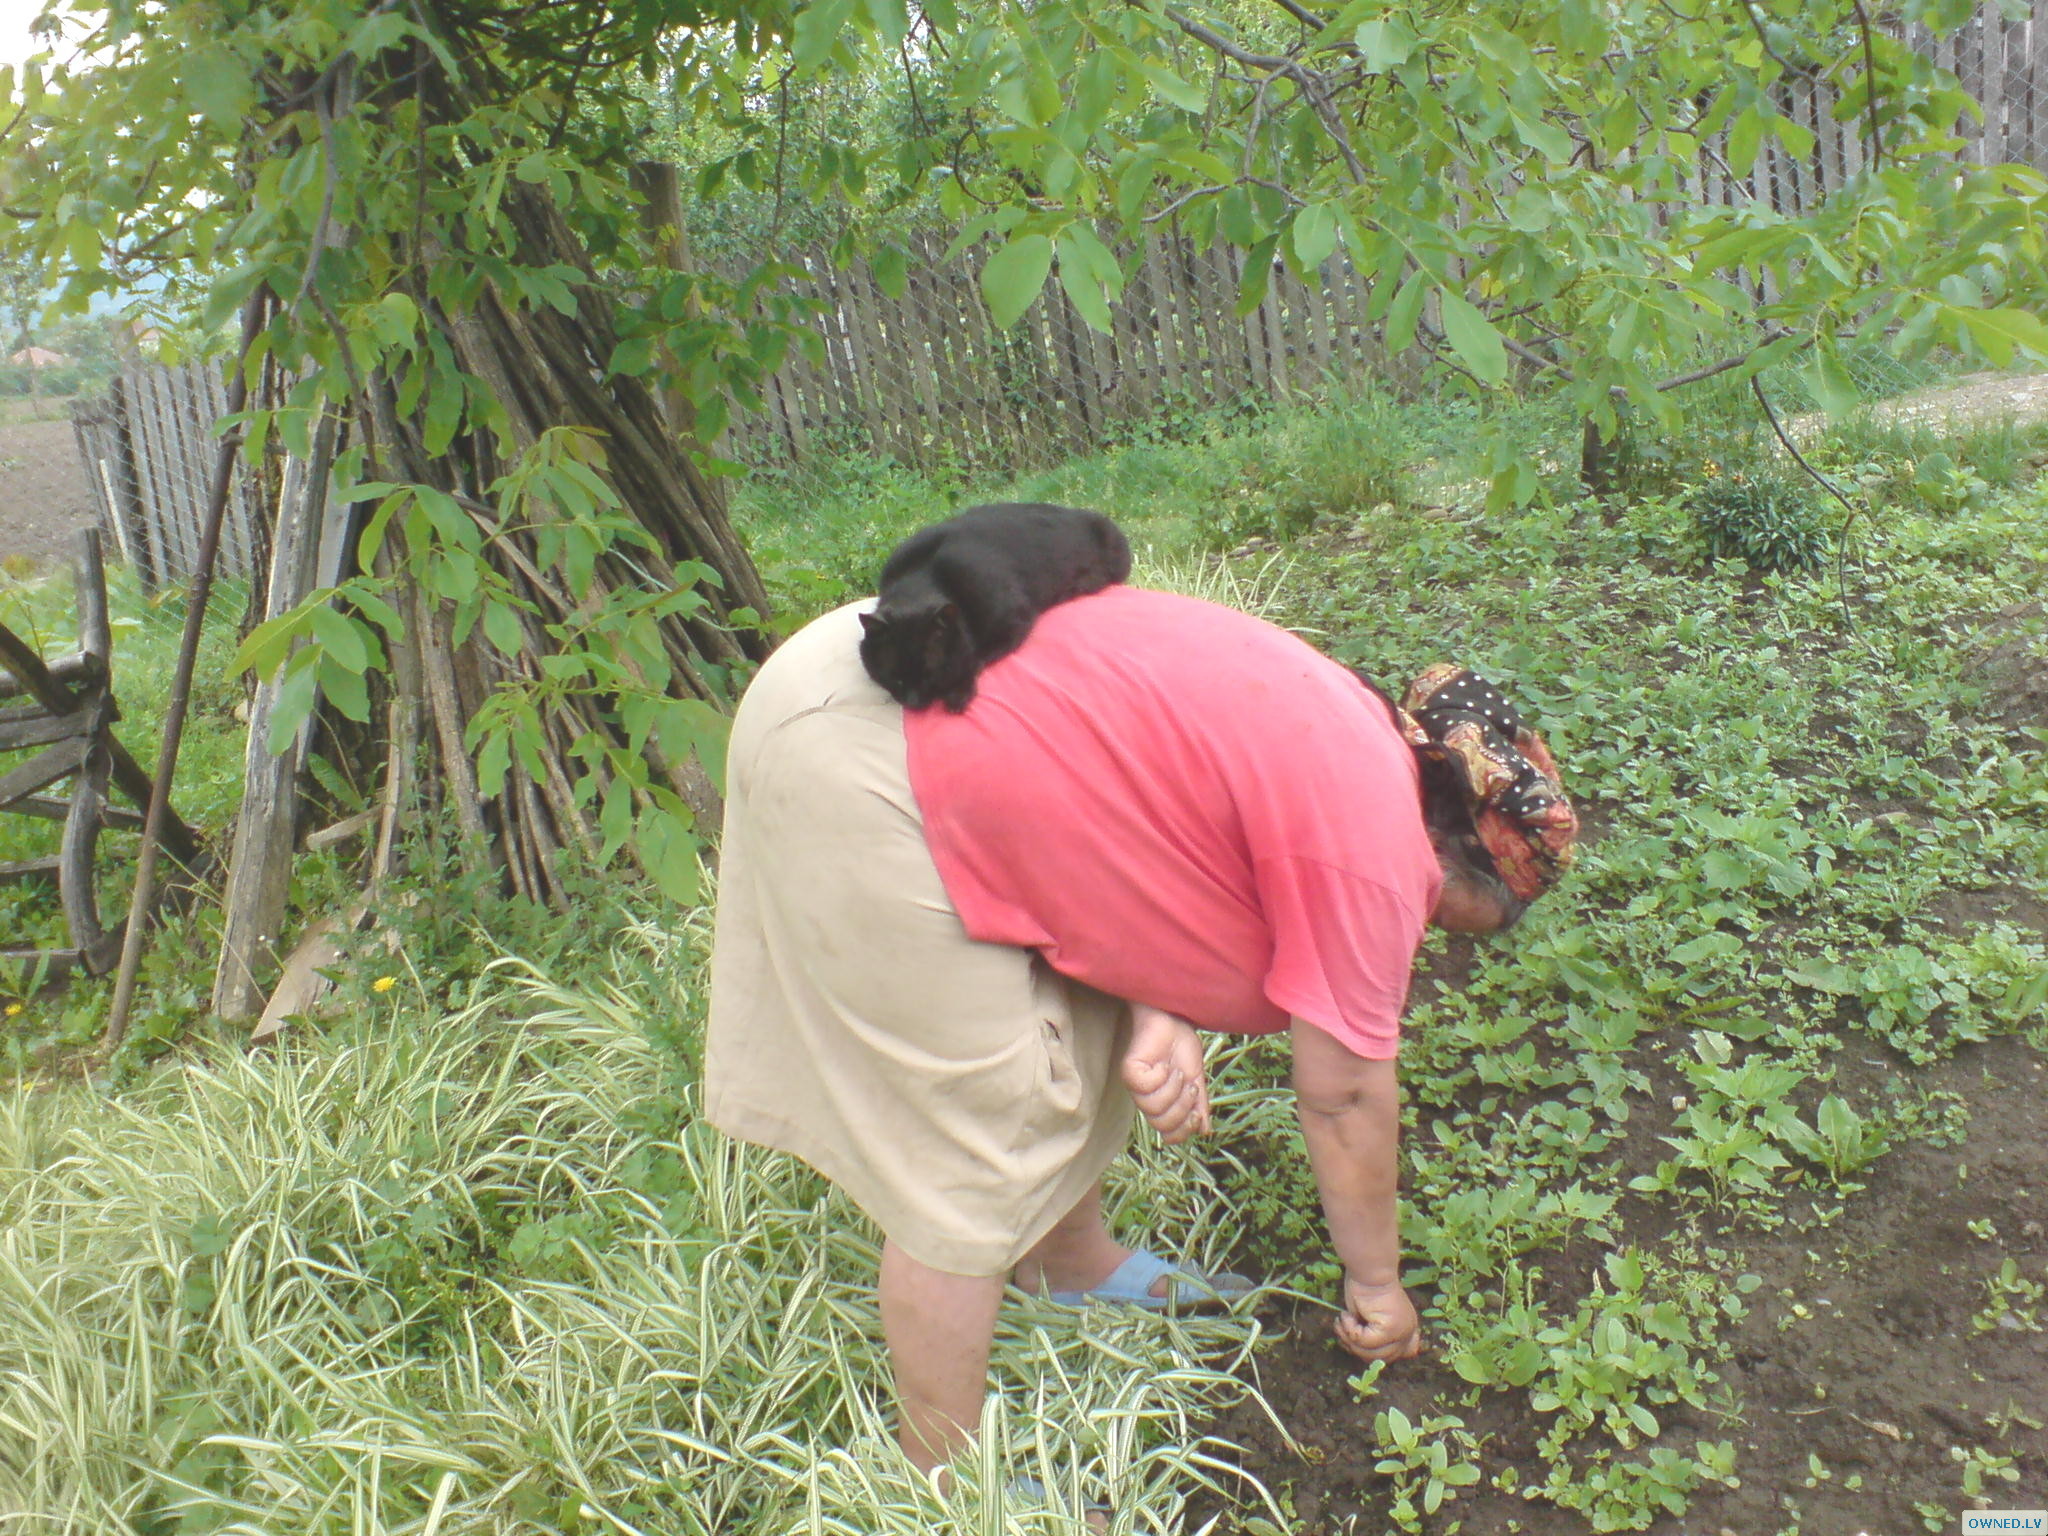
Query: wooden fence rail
148, 448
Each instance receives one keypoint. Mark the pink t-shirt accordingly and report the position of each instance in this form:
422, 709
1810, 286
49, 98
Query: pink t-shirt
1185, 806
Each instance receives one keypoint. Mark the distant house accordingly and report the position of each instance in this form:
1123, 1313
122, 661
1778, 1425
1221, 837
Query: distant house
39, 357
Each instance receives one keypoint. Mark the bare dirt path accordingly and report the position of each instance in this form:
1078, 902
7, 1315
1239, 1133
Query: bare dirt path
1976, 397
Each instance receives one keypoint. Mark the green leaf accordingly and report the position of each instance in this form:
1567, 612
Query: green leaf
217, 85
890, 19
2000, 331
1744, 140
502, 628
1474, 339
1406, 312
1823, 976
1708, 946
493, 761
1237, 220
1832, 386
1257, 276
891, 269
1546, 138
347, 691
340, 639
1314, 235
269, 643
1626, 1271
1169, 86
817, 30
444, 415
295, 699
1794, 135
667, 849
1386, 43
1134, 185
1723, 871
1082, 260
1012, 278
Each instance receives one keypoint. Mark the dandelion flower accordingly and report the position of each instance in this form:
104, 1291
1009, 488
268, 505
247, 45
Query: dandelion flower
13, 1009
383, 983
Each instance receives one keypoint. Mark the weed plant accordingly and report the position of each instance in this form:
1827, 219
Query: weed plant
1753, 913
1764, 518
146, 633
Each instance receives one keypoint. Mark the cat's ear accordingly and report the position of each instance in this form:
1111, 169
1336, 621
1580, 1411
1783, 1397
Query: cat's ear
872, 623
948, 616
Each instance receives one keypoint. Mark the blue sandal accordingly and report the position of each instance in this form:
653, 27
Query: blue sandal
1030, 1490
1130, 1285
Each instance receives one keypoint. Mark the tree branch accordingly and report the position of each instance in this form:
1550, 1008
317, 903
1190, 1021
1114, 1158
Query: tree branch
1312, 83
1756, 24
1870, 86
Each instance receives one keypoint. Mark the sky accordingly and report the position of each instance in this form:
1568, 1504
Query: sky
15, 16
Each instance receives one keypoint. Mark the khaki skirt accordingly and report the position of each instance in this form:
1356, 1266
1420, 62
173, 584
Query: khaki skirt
964, 1095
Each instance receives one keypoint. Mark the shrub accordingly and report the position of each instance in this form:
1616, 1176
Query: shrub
1342, 458
1761, 518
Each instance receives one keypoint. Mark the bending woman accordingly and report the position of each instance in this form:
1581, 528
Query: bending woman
953, 950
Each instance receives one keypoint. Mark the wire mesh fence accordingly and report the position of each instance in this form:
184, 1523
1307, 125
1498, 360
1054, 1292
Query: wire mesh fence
149, 450
2001, 62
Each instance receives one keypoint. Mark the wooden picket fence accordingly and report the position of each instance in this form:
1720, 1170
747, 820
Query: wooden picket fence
927, 378
927, 375
148, 447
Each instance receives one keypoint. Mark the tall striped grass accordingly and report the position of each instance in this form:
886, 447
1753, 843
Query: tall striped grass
197, 1333
487, 1272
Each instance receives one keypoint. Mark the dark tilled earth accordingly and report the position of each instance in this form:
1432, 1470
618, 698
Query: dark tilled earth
1861, 1345
1859, 1348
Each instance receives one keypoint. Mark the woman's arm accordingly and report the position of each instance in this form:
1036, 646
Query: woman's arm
1350, 1113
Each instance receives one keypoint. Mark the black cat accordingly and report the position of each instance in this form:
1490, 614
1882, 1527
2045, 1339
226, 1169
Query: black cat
959, 594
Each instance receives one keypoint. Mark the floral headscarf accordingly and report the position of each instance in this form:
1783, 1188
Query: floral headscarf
1518, 802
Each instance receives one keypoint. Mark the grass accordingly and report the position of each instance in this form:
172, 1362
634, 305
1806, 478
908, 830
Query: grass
17, 409
464, 1259
486, 1271
146, 633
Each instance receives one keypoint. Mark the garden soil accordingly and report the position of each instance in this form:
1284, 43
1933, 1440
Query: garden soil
43, 495
1859, 1349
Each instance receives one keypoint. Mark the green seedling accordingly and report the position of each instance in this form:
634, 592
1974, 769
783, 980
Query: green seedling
1427, 1461
2014, 1301
1978, 1464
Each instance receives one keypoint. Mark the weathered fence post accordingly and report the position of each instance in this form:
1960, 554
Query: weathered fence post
266, 827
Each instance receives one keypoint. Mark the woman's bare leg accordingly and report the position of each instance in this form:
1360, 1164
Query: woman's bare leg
939, 1327
1078, 1253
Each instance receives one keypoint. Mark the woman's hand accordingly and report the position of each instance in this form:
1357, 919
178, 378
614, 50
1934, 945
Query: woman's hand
1163, 1069
1378, 1322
